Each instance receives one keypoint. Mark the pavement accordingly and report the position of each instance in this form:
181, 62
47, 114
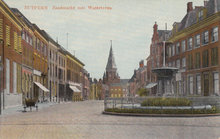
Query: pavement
84, 120
19, 109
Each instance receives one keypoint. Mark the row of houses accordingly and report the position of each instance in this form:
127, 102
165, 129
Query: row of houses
192, 46
33, 65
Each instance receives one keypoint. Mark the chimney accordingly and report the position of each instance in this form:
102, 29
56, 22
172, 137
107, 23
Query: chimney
189, 6
155, 28
205, 3
141, 64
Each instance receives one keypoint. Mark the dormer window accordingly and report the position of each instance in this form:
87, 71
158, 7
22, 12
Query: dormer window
200, 15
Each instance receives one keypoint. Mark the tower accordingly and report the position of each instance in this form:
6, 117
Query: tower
111, 75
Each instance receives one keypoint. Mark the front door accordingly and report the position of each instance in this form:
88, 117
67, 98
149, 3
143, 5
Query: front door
206, 84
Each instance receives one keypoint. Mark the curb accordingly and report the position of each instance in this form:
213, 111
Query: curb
160, 115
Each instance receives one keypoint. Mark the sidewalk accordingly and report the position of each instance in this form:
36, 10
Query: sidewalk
20, 109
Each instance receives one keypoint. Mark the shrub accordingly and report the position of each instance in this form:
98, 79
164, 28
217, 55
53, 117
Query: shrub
166, 102
165, 111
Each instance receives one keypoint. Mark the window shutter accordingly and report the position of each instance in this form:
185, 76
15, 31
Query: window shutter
15, 41
19, 44
1, 28
7, 35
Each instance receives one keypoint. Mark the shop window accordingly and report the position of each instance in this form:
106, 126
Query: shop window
216, 83
198, 84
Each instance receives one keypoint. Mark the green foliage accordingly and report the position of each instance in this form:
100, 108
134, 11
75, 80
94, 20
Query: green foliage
165, 111
166, 102
143, 92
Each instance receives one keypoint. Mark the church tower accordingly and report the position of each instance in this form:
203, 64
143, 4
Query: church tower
111, 75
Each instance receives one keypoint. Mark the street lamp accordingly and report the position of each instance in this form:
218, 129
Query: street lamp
1, 69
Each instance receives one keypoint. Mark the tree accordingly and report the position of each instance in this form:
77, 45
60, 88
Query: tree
143, 92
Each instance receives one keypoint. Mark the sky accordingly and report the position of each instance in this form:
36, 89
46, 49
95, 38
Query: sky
128, 23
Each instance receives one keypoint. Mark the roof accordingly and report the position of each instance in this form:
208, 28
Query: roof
122, 82
111, 61
190, 18
133, 77
21, 17
163, 34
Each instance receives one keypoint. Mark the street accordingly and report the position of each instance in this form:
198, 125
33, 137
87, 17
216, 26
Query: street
85, 120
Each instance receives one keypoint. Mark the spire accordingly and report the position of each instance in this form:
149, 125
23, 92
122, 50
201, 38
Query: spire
111, 60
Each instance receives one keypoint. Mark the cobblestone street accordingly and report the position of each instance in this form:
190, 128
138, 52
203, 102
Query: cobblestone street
84, 120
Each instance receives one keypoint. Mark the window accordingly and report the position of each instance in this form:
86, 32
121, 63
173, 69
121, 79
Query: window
216, 83
198, 84
197, 63
200, 15
215, 34
170, 51
23, 35
170, 64
1, 28
205, 37
214, 56
189, 47
174, 65
183, 45
31, 41
178, 63
152, 64
197, 41
205, 58
190, 62
190, 83
177, 48
173, 50
183, 62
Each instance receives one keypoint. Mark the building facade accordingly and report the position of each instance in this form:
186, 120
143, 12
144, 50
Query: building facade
195, 50
27, 54
11, 57
155, 59
40, 62
74, 70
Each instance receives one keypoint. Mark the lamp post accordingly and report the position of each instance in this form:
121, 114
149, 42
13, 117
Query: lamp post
1, 75
1, 69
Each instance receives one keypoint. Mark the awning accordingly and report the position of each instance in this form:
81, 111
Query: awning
150, 85
42, 87
74, 88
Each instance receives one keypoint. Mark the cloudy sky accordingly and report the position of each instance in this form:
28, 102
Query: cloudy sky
128, 23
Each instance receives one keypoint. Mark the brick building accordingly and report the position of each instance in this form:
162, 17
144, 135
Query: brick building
27, 54
62, 73
155, 59
195, 50
138, 79
74, 70
40, 62
116, 86
52, 67
11, 57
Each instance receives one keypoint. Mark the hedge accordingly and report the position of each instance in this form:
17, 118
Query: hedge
166, 102
165, 111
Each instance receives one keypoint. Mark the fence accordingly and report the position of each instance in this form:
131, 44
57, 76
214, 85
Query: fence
135, 102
